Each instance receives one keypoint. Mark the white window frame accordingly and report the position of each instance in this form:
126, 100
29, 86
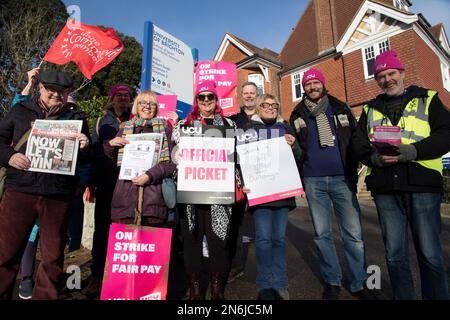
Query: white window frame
257, 79
297, 76
376, 48
445, 70
400, 4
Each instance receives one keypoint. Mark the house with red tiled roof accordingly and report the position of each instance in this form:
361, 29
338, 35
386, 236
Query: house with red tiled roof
342, 38
260, 66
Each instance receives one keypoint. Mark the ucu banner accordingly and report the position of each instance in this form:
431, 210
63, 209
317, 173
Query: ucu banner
246, 137
252, 135
191, 131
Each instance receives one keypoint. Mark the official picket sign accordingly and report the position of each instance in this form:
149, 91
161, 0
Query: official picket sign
268, 167
224, 74
206, 166
137, 263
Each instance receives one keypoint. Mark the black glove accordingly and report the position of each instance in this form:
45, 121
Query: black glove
376, 160
406, 152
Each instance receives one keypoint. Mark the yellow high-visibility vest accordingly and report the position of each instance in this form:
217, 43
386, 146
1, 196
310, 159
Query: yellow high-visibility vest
416, 126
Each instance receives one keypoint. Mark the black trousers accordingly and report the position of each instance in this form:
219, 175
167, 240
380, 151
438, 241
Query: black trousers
102, 222
219, 253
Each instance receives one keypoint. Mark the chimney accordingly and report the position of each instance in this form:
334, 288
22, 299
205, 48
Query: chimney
324, 25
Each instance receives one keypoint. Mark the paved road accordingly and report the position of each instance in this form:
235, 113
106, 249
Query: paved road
302, 261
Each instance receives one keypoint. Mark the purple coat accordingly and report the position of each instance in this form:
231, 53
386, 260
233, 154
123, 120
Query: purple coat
125, 197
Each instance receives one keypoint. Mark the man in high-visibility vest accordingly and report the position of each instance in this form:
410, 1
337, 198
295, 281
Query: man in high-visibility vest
401, 137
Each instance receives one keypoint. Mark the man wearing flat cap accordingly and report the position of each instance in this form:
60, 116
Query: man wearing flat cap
405, 177
30, 195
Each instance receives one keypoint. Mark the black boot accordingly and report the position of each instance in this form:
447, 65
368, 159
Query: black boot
216, 286
194, 291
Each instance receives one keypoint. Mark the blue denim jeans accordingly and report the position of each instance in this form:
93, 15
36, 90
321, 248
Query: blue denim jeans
422, 212
321, 193
270, 247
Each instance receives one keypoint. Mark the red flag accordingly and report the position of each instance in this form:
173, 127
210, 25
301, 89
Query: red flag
90, 47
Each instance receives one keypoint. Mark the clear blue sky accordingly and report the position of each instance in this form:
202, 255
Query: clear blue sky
202, 24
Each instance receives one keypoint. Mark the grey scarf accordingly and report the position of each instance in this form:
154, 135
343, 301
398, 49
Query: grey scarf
318, 111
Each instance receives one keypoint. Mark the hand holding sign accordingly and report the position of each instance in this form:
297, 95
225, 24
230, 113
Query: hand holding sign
19, 161
118, 142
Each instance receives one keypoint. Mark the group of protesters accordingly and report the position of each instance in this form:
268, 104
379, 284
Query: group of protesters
327, 144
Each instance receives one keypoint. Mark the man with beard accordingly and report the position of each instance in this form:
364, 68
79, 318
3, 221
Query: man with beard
405, 178
248, 108
324, 127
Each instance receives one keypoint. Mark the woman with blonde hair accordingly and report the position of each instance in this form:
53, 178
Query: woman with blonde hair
271, 218
126, 193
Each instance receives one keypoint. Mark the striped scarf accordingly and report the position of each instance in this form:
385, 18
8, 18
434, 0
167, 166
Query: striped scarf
159, 126
318, 110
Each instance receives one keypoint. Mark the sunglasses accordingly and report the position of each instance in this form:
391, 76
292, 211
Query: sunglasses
210, 96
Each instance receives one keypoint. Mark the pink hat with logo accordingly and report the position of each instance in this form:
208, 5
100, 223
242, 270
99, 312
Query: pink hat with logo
387, 60
206, 86
313, 74
117, 88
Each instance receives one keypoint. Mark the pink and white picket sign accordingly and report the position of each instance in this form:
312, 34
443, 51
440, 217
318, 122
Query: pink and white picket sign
137, 263
388, 134
167, 103
224, 74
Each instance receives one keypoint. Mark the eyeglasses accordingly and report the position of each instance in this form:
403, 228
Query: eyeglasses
145, 104
210, 96
273, 106
56, 90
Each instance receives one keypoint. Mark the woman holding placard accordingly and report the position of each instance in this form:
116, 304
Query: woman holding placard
137, 196
271, 218
205, 227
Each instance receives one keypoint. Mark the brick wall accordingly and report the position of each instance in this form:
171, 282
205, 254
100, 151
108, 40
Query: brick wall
422, 68
272, 86
286, 97
429, 69
324, 24
334, 77
358, 89
233, 54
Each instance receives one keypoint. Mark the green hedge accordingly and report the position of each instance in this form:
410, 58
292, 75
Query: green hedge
94, 108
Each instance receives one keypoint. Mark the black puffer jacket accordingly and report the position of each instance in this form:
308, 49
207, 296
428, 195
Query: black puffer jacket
241, 119
409, 176
344, 132
16, 123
